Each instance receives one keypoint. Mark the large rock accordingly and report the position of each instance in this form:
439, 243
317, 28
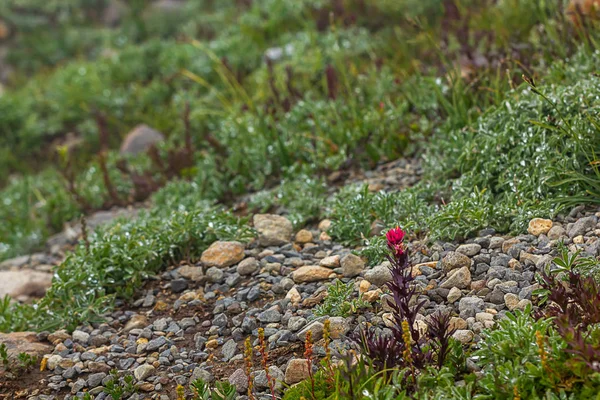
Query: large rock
140, 139
24, 342
24, 283
311, 273
296, 371
273, 230
223, 254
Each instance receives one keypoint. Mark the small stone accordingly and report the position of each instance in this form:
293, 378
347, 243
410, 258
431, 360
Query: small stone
324, 237
454, 260
137, 321
311, 273
352, 265
511, 300
454, 295
330, 262
364, 286
379, 274
78, 386
316, 328
239, 380
248, 266
215, 275
273, 230
53, 361
143, 371
539, 226
464, 336
200, 373
304, 236
276, 375
458, 323
338, 327
522, 304
228, 350
140, 139
324, 225
192, 273
460, 278
556, 232
294, 295
578, 239
469, 249
95, 380
81, 336
372, 295
223, 254
270, 315
178, 285
155, 344
582, 225
296, 371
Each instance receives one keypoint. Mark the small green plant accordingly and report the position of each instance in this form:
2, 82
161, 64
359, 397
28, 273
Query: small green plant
339, 301
118, 388
222, 390
15, 365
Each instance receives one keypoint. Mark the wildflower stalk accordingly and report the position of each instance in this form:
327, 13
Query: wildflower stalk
180, 391
308, 353
327, 359
263, 354
248, 360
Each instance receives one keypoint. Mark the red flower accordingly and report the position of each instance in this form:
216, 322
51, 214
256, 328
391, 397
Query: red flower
395, 236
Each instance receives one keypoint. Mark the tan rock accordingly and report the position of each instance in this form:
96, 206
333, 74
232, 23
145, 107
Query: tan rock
458, 323
454, 295
539, 226
223, 254
24, 283
324, 237
58, 336
296, 371
464, 336
578, 239
273, 230
140, 139
352, 265
330, 262
325, 225
304, 236
191, 272
372, 295
364, 286
511, 300
138, 321
460, 278
294, 295
311, 273
507, 244
338, 327
454, 260
24, 342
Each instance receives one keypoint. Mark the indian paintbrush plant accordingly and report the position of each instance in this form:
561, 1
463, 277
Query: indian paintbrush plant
407, 348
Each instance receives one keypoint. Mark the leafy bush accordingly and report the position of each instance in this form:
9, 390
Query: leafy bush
337, 303
115, 263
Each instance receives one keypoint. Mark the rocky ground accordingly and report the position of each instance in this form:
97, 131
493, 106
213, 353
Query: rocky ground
192, 320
